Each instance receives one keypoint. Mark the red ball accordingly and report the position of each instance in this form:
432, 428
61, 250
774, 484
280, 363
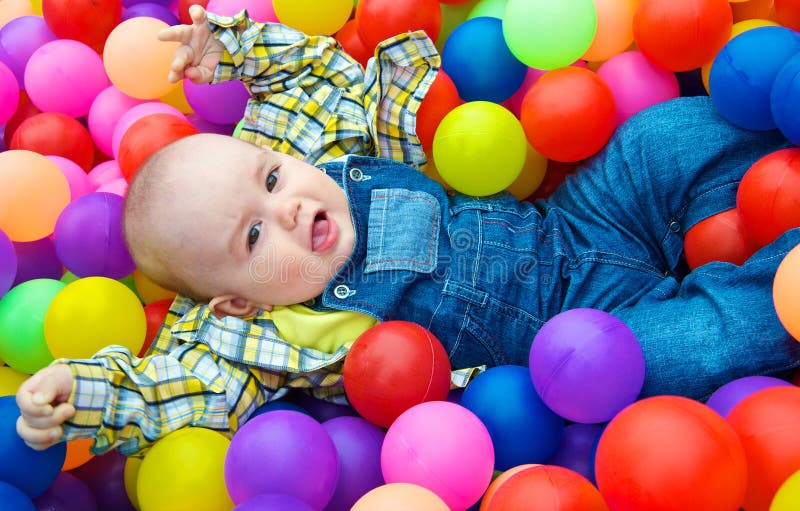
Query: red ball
146, 136
666, 453
379, 20
392, 367
351, 42
681, 35
25, 109
55, 134
721, 237
568, 114
768, 198
87, 21
183, 9
788, 13
552, 488
442, 97
154, 314
768, 425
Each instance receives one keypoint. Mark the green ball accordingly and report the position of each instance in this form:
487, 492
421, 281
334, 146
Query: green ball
479, 148
548, 34
22, 311
238, 129
69, 277
488, 8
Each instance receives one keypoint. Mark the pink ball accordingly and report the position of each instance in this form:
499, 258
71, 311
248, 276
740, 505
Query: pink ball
105, 112
515, 101
9, 93
257, 10
65, 76
443, 447
104, 173
117, 186
76, 178
637, 83
134, 114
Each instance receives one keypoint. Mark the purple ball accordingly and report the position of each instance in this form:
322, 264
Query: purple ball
283, 452
266, 502
576, 449
358, 444
586, 365
131, 3
204, 126
220, 103
67, 493
105, 477
37, 260
89, 239
150, 10
8, 263
727, 396
19, 38
322, 410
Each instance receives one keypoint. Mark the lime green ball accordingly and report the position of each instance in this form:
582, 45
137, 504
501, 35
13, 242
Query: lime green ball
238, 129
479, 148
488, 8
22, 311
548, 34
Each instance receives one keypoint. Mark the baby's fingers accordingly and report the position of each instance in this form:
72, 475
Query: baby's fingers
176, 33
35, 438
55, 417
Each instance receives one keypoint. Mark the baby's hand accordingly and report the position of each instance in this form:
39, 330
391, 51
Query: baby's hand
43, 407
198, 54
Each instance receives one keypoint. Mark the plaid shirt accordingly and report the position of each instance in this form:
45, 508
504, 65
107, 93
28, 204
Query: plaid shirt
312, 101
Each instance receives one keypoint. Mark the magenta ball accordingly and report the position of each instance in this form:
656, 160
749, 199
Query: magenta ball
8, 263
19, 38
220, 103
285, 452
65, 76
127, 119
637, 83
443, 447
258, 10
89, 240
274, 501
117, 187
150, 10
37, 260
77, 179
9, 93
104, 173
67, 493
586, 365
358, 444
104, 113
727, 396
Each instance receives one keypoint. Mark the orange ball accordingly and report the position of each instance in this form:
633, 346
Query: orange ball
78, 453
154, 314
148, 290
786, 292
614, 29
11, 9
788, 13
552, 488
146, 136
721, 237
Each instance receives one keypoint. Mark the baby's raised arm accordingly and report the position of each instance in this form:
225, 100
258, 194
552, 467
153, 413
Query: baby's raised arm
199, 52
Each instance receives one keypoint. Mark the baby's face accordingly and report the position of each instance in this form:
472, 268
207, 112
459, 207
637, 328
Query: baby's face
265, 226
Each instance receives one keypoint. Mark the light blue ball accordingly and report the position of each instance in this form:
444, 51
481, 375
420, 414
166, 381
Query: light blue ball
785, 99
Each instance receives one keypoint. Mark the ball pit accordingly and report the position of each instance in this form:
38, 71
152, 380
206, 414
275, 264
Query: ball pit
729, 395
8, 263
310, 16
37, 260
55, 134
400, 497
88, 21
783, 100
19, 39
9, 93
67, 493
552, 488
104, 113
104, 477
721, 237
147, 135
380, 19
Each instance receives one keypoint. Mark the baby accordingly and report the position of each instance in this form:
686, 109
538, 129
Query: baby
286, 249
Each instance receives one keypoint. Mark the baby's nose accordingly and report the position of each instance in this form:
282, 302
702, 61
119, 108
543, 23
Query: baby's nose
287, 213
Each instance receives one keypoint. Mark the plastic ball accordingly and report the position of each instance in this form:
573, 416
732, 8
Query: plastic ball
313, 17
130, 475
515, 101
721, 237
381, 19
151, 10
505, 401
204, 126
479, 62
767, 197
786, 292
37, 260
614, 29
177, 99
783, 100
33, 192
668, 452
29, 470
76, 177
637, 83
293, 442
117, 187
569, 114
13, 498
148, 290
729, 395
194, 459
88, 21
10, 380
400, 497
752, 9
389, 352
279, 404
531, 176
788, 13
320, 409
104, 113
104, 477
154, 313
136, 61
90, 314
354, 46
127, 119
68, 493
19, 38
497, 482
183, 9
9, 93
787, 498
442, 97
275, 501
552, 488
78, 453
12, 9
220, 103
56, 134
768, 425
25, 110
452, 16
146, 136
8, 263
547, 35
474, 137
257, 10
746, 68
587, 365
22, 311
358, 446
576, 450
89, 239
488, 8
682, 34
104, 173
443, 447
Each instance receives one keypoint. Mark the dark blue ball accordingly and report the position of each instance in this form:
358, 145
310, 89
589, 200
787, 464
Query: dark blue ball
12, 498
785, 99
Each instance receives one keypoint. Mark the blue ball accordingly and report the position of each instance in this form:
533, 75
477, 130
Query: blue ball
278, 404
477, 59
13, 498
785, 99
29, 470
743, 73
523, 429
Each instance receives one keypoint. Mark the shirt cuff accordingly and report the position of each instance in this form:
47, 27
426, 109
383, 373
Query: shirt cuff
90, 390
408, 49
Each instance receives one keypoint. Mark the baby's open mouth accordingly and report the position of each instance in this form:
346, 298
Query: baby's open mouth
323, 232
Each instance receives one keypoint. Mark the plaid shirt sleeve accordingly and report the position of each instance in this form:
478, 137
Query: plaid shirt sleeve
313, 101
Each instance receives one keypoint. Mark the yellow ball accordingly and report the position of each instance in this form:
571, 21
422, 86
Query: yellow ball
184, 471
148, 290
313, 17
92, 313
130, 476
10, 380
787, 498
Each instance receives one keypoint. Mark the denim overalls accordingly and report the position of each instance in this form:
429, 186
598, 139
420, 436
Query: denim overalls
484, 274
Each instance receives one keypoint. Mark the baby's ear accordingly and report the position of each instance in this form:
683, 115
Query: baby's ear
233, 305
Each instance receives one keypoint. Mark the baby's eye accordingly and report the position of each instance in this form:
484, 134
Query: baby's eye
252, 236
272, 180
